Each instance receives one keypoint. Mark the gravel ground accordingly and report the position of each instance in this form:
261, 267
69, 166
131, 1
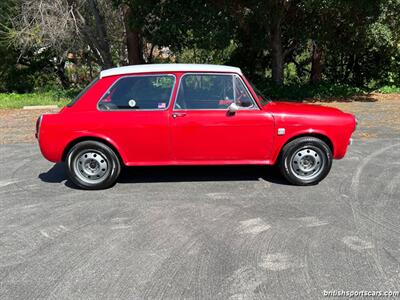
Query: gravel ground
202, 232
18, 125
375, 118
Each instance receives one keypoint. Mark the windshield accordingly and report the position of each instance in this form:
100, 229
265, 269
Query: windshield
83, 92
261, 97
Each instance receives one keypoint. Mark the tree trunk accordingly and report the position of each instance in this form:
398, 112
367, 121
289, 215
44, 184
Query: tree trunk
133, 39
358, 76
277, 53
134, 46
60, 71
102, 37
150, 58
316, 64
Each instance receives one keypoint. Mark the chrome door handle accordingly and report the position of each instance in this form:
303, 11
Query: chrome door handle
180, 114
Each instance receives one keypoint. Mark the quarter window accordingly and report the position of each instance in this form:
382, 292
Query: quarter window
242, 96
139, 92
211, 91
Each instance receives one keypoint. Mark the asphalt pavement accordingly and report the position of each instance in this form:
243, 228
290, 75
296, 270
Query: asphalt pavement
200, 232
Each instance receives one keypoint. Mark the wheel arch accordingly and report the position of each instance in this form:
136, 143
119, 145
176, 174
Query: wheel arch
320, 136
93, 138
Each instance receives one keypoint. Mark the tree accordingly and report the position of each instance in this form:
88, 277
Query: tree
340, 31
340, 41
134, 41
53, 24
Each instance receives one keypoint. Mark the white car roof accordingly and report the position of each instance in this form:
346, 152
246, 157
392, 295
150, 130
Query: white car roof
168, 68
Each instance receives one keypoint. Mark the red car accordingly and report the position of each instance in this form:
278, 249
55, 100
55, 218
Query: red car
188, 114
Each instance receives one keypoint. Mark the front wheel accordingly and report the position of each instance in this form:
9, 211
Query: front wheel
305, 161
93, 165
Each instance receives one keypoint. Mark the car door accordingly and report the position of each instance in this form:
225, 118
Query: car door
136, 117
204, 132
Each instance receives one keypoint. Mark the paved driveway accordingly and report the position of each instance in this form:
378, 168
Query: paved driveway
200, 233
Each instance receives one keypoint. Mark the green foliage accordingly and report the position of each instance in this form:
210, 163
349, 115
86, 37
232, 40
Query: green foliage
299, 92
197, 24
13, 100
359, 42
27, 73
8, 55
205, 56
389, 89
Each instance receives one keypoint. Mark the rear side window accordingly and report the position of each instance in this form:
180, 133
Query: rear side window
139, 92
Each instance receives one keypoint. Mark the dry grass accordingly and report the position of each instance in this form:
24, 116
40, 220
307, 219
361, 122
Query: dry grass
18, 125
383, 112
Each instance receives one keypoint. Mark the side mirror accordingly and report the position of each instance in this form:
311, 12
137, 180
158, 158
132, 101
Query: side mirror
233, 108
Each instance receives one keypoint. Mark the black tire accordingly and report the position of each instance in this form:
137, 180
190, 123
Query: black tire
87, 154
305, 161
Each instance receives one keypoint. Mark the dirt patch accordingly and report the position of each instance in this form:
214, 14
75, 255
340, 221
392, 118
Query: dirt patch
370, 97
378, 118
18, 125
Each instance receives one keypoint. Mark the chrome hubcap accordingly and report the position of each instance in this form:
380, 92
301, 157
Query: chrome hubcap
307, 163
91, 166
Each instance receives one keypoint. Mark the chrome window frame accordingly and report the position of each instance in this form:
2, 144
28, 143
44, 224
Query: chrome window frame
139, 110
253, 107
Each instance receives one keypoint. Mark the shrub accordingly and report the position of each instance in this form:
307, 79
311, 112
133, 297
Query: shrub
300, 92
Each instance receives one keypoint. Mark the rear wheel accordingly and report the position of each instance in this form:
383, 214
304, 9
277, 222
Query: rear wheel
305, 161
93, 165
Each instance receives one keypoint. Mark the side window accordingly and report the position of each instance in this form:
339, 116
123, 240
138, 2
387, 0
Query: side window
242, 96
139, 92
205, 91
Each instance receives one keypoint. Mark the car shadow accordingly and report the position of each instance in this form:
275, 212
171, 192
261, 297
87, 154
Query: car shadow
58, 174
200, 173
